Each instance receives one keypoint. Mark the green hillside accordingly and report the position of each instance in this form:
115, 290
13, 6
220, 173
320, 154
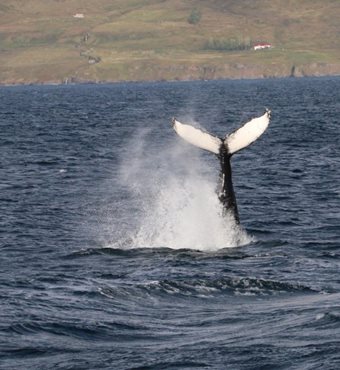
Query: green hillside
55, 41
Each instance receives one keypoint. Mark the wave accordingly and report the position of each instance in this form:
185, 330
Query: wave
81, 330
329, 318
129, 251
235, 285
202, 288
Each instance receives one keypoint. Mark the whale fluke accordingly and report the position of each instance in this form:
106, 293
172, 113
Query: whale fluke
247, 134
224, 149
233, 142
197, 137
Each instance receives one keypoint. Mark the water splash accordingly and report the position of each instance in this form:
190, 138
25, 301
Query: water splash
173, 192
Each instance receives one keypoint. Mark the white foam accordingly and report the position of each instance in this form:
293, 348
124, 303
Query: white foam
173, 191
187, 214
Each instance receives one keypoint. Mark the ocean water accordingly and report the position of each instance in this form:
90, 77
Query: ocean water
114, 251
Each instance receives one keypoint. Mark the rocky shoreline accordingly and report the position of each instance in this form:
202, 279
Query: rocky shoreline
187, 72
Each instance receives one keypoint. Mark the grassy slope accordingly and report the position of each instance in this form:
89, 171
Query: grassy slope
40, 41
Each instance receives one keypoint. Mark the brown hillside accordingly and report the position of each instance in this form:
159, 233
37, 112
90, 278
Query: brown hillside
41, 41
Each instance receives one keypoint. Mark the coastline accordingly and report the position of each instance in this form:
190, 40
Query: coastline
298, 73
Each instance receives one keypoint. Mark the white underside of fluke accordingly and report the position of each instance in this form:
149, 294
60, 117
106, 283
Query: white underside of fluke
197, 137
247, 134
234, 142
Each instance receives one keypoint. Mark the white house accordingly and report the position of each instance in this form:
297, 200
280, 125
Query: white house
79, 15
262, 45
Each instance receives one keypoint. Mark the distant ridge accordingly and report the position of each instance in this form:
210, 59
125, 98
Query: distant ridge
66, 41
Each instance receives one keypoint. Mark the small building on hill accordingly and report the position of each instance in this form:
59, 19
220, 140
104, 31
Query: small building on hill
262, 45
79, 15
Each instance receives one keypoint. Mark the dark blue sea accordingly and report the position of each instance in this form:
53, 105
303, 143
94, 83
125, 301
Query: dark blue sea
114, 250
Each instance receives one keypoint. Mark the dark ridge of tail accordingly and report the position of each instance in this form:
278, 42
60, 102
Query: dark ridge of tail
226, 193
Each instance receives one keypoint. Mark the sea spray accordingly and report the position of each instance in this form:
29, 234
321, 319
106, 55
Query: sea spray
172, 190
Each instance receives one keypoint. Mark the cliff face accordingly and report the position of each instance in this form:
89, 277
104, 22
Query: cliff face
183, 72
241, 71
49, 42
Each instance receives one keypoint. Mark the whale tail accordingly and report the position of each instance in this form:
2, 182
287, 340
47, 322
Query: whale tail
232, 143
224, 148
